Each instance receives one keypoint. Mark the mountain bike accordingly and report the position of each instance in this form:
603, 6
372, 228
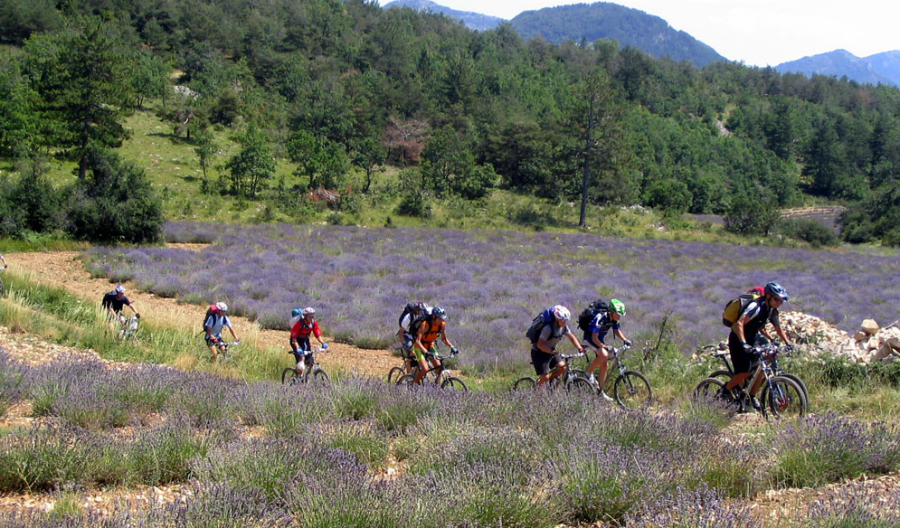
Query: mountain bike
225, 356
631, 389
442, 377
129, 327
573, 380
311, 369
727, 373
780, 397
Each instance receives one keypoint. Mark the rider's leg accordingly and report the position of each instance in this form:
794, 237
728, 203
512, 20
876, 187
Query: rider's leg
741, 362
559, 369
601, 362
423, 366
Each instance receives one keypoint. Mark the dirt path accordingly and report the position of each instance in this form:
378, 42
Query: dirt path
64, 268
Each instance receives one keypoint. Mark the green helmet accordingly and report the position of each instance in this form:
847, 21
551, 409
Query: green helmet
615, 305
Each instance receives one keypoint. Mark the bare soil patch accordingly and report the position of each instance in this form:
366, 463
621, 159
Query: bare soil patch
64, 268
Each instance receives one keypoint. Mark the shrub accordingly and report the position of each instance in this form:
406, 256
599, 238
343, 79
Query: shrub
115, 204
810, 231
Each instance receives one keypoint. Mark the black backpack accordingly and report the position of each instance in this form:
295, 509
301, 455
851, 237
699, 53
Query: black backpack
588, 314
537, 324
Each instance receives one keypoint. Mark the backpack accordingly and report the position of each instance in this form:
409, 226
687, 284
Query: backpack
588, 314
416, 322
736, 306
212, 310
534, 331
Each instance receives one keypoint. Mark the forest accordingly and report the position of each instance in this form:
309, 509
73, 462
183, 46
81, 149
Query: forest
334, 86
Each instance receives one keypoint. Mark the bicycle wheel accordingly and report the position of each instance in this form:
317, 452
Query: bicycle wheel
319, 377
723, 375
783, 398
712, 389
799, 382
632, 390
452, 382
581, 386
407, 380
395, 374
524, 383
289, 376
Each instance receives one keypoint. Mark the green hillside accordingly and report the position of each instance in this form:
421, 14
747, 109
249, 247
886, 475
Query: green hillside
409, 115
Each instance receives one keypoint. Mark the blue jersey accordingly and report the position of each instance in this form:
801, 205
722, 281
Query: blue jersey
600, 324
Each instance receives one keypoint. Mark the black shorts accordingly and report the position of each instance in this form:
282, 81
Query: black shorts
742, 361
544, 362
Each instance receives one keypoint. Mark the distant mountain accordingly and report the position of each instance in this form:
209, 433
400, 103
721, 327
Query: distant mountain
474, 21
887, 64
602, 20
882, 68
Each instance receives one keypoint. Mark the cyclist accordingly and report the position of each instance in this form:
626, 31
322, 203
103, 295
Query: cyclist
113, 302
302, 329
745, 331
213, 325
433, 325
594, 338
409, 322
547, 363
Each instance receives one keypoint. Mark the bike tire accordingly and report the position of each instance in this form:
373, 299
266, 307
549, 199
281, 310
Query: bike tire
581, 386
632, 390
319, 377
395, 374
782, 398
799, 382
524, 383
407, 380
289, 376
454, 383
711, 388
721, 374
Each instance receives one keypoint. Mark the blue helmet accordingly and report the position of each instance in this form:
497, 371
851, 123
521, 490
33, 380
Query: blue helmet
777, 290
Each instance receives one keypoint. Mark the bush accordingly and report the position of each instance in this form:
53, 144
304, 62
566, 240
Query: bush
809, 230
116, 203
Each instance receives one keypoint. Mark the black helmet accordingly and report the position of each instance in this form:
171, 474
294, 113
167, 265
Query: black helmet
777, 290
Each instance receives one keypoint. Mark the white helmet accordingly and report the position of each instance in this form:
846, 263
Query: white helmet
309, 311
561, 313
120, 289
222, 307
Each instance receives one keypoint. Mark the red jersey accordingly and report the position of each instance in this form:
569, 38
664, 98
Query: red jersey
302, 330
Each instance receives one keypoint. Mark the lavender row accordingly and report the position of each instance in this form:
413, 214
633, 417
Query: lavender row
321, 456
492, 283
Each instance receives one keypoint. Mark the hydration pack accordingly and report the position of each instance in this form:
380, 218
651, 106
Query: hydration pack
212, 310
537, 325
736, 306
588, 314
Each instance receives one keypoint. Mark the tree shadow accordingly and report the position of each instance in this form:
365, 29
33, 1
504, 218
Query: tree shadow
176, 140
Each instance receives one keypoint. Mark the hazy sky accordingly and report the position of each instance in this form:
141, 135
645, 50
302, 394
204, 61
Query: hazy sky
757, 32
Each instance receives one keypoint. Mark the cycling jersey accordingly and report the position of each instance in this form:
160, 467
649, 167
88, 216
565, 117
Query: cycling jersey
551, 334
303, 330
216, 323
760, 313
601, 324
110, 300
430, 330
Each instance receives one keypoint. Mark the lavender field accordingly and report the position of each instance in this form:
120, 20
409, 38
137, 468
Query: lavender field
492, 283
365, 454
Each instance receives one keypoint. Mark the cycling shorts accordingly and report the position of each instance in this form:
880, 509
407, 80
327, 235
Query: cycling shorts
588, 345
304, 348
431, 352
544, 362
740, 360
209, 342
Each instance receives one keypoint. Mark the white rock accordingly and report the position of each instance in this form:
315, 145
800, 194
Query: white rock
869, 326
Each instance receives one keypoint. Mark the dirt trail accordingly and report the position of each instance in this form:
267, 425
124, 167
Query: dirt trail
64, 268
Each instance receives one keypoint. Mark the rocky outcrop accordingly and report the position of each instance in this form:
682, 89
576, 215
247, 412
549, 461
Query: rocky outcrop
870, 343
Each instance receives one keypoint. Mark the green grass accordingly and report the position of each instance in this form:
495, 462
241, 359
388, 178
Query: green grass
61, 317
